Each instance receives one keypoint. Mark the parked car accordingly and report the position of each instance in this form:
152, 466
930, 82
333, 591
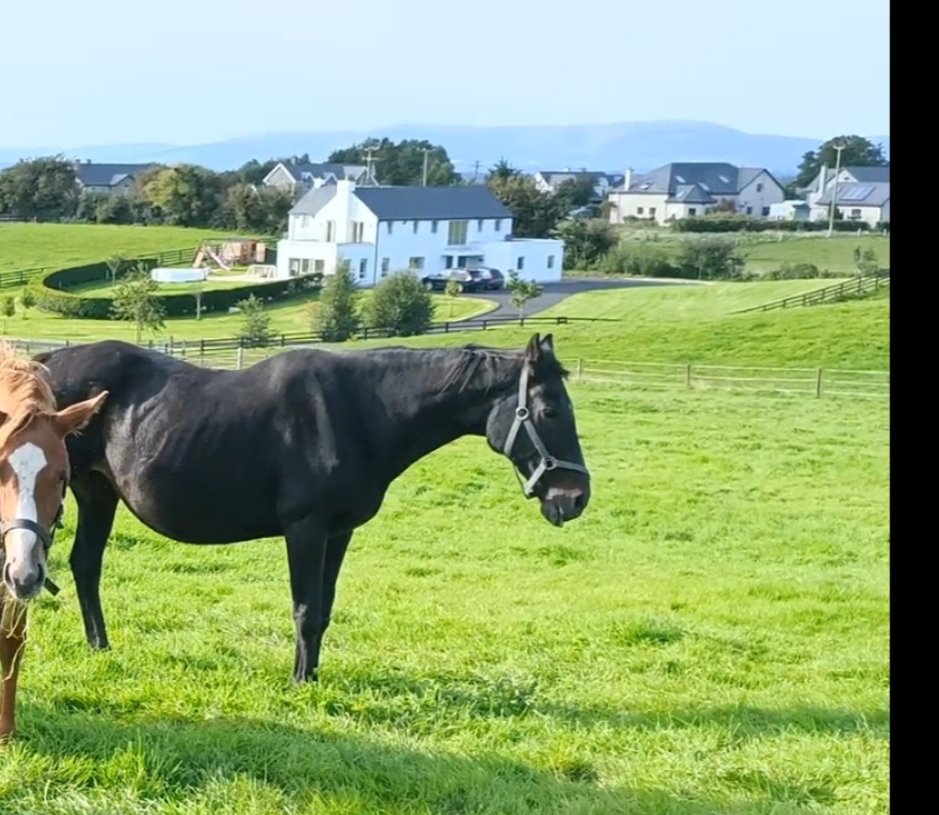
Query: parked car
492, 279
468, 280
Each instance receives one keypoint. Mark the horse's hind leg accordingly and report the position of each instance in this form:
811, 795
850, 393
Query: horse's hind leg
336, 546
97, 504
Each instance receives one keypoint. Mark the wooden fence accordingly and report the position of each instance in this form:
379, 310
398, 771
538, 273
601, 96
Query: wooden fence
837, 291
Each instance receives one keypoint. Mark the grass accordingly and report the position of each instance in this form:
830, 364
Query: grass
697, 324
765, 252
26, 246
711, 637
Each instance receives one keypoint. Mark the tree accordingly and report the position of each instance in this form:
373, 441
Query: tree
586, 243
710, 258
576, 192
197, 288
522, 291
337, 318
136, 300
503, 171
28, 300
857, 152
867, 263
115, 265
42, 189
452, 291
7, 309
403, 163
256, 322
402, 304
535, 213
186, 195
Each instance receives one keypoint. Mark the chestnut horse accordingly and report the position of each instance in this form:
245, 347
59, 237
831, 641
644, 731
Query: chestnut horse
34, 471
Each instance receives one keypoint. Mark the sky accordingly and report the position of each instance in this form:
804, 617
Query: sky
194, 71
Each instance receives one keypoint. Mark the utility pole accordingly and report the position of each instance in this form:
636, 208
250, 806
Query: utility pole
834, 190
369, 161
476, 171
426, 152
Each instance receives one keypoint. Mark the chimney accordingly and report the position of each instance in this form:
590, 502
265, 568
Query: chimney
824, 179
628, 179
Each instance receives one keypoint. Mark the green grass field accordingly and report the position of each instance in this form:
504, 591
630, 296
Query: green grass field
767, 252
25, 246
711, 637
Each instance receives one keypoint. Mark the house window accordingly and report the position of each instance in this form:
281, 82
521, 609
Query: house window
385, 266
550, 261
390, 225
479, 225
498, 225
363, 268
759, 187
765, 211
651, 212
433, 226
855, 214
416, 264
415, 227
448, 262
456, 233
305, 265
305, 221
358, 231
294, 266
639, 210
319, 266
521, 264
330, 231
749, 210
692, 210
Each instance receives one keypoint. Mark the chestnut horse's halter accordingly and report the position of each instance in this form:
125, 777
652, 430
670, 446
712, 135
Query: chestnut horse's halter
547, 461
46, 536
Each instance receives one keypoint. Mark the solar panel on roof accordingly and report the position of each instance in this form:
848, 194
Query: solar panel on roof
856, 193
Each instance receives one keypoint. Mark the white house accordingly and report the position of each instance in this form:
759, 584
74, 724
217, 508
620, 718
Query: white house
383, 229
550, 180
108, 178
687, 189
298, 176
861, 194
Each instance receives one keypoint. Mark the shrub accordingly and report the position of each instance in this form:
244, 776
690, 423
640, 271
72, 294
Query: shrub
711, 258
585, 242
639, 259
337, 318
401, 304
256, 323
746, 223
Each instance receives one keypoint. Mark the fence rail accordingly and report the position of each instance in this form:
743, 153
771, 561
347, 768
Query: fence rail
837, 291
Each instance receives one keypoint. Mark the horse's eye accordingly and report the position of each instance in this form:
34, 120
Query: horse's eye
550, 413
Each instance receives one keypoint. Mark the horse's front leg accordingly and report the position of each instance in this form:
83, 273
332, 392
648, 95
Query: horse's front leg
306, 558
12, 639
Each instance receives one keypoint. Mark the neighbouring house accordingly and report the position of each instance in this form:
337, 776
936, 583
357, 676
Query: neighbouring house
860, 194
689, 189
298, 176
550, 180
384, 229
109, 178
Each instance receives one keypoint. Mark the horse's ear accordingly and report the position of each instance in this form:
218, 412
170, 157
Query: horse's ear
533, 349
547, 343
75, 417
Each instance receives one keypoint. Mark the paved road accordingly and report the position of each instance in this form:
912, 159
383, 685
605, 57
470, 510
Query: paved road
554, 293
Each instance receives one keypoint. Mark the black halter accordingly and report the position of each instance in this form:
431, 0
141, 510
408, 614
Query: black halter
46, 536
547, 461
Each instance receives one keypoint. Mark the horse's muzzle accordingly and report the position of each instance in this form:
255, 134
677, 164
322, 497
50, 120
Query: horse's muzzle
562, 505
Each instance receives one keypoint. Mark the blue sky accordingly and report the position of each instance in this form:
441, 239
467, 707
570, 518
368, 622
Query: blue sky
189, 71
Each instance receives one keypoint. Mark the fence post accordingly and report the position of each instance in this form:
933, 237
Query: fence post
818, 383
580, 368
688, 376
240, 357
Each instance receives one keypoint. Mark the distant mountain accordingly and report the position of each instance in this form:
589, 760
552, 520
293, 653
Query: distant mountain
610, 147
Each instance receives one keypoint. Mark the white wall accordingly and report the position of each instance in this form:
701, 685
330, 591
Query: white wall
309, 251
538, 259
629, 204
761, 193
343, 209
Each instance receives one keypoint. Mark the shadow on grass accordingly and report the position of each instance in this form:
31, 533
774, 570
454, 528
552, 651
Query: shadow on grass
179, 760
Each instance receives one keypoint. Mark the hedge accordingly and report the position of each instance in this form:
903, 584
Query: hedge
50, 293
745, 224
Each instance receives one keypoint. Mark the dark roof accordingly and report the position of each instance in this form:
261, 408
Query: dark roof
870, 175
340, 171
314, 200
858, 195
715, 178
556, 177
691, 194
106, 175
431, 203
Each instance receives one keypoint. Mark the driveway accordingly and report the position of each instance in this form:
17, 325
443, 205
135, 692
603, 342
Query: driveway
554, 293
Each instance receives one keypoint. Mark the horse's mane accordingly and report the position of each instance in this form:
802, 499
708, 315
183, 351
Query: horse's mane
482, 366
24, 392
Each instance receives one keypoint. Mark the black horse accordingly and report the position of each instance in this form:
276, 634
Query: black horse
302, 445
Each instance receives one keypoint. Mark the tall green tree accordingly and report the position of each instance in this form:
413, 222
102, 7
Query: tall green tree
402, 163
857, 152
136, 301
535, 213
402, 304
337, 318
42, 189
187, 195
